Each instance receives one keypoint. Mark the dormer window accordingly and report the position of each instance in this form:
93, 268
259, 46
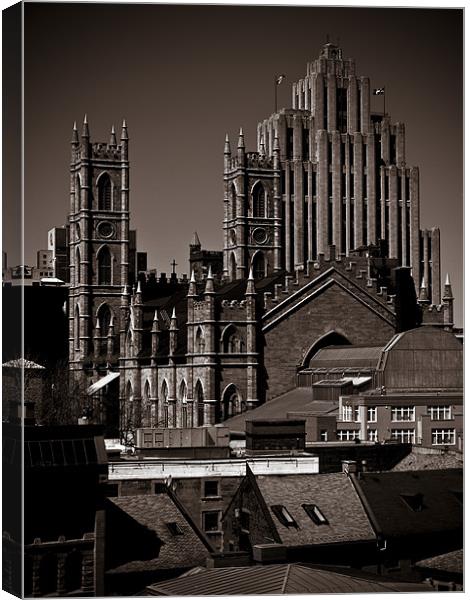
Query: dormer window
413, 501
315, 514
284, 515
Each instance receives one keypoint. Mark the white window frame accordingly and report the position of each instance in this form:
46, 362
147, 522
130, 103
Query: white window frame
372, 435
443, 412
400, 435
443, 437
372, 414
347, 435
350, 414
400, 414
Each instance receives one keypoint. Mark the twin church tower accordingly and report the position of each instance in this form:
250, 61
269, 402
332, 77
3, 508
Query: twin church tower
328, 179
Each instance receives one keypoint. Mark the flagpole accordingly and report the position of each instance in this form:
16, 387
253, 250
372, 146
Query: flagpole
275, 95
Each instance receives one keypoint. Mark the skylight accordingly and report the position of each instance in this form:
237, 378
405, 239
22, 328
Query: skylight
284, 515
315, 514
174, 528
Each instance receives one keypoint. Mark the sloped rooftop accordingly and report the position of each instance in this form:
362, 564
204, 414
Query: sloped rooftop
275, 579
332, 493
184, 549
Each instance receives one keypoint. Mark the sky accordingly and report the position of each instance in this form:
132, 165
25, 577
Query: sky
183, 76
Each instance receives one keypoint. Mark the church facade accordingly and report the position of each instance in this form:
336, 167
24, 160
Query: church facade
322, 246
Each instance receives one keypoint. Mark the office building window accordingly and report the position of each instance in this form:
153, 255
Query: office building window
404, 436
440, 413
403, 413
372, 414
443, 437
372, 435
347, 435
350, 413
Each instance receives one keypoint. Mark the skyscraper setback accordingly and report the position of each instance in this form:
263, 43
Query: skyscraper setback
328, 171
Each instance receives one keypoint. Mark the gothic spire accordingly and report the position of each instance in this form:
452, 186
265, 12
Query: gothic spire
241, 139
85, 129
195, 241
209, 282
423, 292
250, 287
192, 285
112, 139
124, 135
74, 133
227, 149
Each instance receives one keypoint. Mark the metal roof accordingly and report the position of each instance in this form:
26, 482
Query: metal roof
346, 356
274, 579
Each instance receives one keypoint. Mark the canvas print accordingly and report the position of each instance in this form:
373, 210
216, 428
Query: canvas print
232, 300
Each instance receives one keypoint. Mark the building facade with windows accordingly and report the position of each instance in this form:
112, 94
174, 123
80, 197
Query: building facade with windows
328, 171
419, 394
321, 246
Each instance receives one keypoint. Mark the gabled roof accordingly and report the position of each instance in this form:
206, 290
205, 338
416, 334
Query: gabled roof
419, 461
183, 550
332, 493
275, 579
439, 508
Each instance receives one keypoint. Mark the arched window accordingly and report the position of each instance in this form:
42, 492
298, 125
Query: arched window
147, 405
164, 391
183, 391
73, 572
231, 402
104, 319
233, 267
199, 395
77, 266
233, 340
104, 266
233, 201
259, 201
76, 328
130, 406
258, 265
78, 193
104, 192
200, 342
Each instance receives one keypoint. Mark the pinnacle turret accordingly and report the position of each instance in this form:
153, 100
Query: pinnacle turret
192, 285
112, 139
423, 293
209, 282
250, 287
85, 128
241, 139
124, 134
74, 133
195, 241
227, 149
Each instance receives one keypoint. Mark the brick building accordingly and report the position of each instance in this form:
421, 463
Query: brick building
321, 246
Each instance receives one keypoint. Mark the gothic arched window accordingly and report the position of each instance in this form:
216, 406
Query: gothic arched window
104, 266
77, 266
233, 267
183, 391
104, 192
259, 201
76, 328
164, 391
199, 395
147, 405
259, 266
233, 201
78, 191
200, 343
233, 341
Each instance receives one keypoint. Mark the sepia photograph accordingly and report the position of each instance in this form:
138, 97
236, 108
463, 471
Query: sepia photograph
232, 299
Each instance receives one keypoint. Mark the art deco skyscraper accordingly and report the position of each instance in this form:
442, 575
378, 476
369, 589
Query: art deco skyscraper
328, 171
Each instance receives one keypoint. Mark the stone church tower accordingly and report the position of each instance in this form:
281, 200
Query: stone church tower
328, 171
99, 250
